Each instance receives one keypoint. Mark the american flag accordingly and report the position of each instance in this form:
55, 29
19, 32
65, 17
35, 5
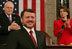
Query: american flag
37, 5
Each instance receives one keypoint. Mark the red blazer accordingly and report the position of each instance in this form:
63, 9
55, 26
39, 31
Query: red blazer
66, 36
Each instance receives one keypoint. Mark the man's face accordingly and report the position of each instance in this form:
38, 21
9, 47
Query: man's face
8, 8
28, 19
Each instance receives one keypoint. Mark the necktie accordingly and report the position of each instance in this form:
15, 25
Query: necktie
33, 38
10, 19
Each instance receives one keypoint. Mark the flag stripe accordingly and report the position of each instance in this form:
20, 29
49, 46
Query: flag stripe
38, 7
30, 4
20, 6
25, 4
34, 8
34, 5
42, 15
38, 14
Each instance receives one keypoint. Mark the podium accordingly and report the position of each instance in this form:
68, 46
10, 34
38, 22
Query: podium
59, 47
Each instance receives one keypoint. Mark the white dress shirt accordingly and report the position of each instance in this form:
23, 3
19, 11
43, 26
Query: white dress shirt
10, 19
34, 34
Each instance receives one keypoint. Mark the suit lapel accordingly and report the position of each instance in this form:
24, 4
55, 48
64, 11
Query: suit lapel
38, 39
6, 18
28, 38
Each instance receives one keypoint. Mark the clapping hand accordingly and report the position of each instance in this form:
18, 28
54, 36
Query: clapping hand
14, 26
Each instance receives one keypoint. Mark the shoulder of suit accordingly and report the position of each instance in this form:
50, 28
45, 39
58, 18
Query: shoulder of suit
16, 32
14, 15
40, 32
2, 15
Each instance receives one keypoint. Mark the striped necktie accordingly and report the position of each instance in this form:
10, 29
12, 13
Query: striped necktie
31, 35
10, 19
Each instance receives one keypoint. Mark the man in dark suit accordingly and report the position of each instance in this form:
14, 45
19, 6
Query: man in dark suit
8, 22
27, 37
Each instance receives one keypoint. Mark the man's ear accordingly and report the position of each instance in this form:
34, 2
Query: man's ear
21, 20
67, 13
3, 8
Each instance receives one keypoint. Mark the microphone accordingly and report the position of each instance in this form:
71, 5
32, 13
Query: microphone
63, 26
63, 21
13, 19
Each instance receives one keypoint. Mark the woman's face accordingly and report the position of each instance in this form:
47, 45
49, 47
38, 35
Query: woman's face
63, 13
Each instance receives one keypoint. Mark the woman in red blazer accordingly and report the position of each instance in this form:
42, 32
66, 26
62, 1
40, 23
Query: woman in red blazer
63, 28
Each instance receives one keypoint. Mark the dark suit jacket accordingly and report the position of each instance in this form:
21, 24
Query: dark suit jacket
4, 23
21, 40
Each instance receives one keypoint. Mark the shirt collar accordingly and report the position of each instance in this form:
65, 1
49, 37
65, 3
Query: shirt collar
28, 30
7, 15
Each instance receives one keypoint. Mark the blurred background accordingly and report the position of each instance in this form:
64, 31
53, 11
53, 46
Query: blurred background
46, 12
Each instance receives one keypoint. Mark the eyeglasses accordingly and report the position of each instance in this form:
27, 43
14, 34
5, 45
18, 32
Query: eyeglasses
9, 7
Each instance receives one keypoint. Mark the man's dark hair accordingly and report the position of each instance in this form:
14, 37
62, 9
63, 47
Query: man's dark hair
26, 10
